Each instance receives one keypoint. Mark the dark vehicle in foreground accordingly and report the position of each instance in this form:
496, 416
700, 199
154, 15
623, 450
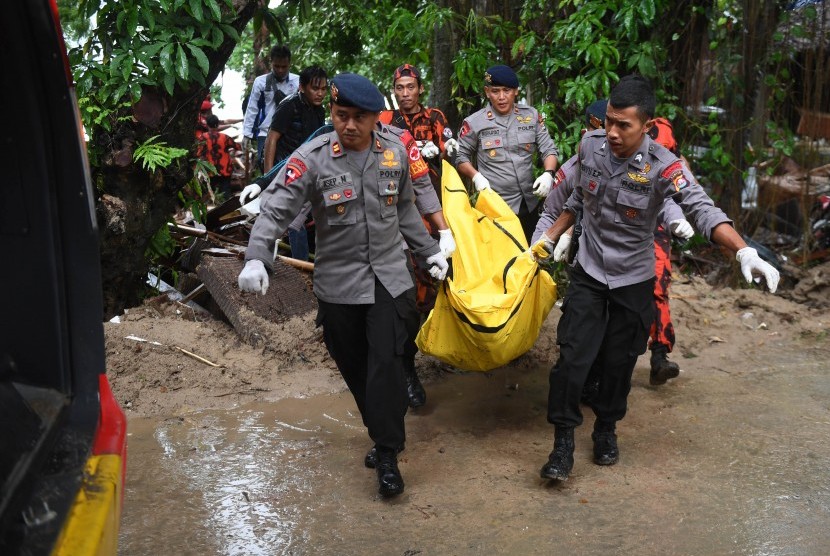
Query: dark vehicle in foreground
62, 434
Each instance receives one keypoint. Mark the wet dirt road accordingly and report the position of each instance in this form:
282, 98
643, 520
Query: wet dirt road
731, 459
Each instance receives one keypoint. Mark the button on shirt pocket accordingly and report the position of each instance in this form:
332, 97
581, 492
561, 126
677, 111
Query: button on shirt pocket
632, 208
388, 194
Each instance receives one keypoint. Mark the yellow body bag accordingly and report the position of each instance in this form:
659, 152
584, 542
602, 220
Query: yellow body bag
492, 305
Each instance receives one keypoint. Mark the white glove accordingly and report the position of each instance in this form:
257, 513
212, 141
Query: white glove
681, 228
250, 193
429, 150
542, 249
254, 277
246, 143
749, 259
446, 243
452, 147
480, 182
542, 185
562, 247
438, 266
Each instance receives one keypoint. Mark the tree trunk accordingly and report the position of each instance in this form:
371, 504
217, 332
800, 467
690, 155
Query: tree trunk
135, 203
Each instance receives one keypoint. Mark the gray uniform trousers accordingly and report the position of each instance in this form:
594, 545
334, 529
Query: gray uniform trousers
621, 317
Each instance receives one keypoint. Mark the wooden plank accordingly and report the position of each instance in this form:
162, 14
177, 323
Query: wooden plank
252, 315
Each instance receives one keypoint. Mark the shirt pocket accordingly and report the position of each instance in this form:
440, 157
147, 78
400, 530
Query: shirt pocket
591, 193
340, 208
527, 141
388, 197
632, 208
491, 146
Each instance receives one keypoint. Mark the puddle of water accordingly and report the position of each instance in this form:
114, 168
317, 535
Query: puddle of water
710, 465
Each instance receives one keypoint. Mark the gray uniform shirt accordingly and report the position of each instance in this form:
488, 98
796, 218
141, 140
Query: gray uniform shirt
620, 207
563, 186
358, 213
505, 152
426, 199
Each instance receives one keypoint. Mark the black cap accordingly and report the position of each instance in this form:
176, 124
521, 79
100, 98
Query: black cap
595, 113
501, 76
350, 89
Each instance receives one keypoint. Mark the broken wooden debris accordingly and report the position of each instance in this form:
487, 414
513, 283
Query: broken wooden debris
251, 314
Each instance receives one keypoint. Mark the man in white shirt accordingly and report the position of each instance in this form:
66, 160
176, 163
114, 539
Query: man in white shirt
268, 90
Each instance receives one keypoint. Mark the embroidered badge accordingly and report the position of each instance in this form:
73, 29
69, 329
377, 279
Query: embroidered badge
340, 209
639, 178
679, 182
524, 119
390, 200
631, 213
294, 169
638, 158
465, 129
592, 185
673, 169
559, 177
347, 193
646, 168
335, 197
389, 159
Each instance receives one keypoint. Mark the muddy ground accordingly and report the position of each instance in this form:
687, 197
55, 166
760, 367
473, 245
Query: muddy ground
262, 453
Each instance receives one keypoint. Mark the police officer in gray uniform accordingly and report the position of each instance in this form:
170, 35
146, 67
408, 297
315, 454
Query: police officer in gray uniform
358, 182
622, 179
503, 138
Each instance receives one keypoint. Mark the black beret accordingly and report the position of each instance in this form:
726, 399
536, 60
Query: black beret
350, 89
501, 76
595, 113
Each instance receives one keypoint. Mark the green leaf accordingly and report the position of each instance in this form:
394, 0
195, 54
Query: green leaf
214, 9
126, 69
196, 10
182, 68
132, 23
169, 82
201, 59
166, 58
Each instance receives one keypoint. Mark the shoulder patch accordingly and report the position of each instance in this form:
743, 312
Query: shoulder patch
465, 129
675, 167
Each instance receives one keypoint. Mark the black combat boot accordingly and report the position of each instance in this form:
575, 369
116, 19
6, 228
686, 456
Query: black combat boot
390, 482
661, 368
371, 458
605, 443
414, 388
561, 459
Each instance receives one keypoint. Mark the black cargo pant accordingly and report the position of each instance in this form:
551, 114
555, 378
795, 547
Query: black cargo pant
367, 344
607, 328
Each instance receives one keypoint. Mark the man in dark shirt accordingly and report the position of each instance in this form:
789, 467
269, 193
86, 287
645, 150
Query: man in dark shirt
296, 118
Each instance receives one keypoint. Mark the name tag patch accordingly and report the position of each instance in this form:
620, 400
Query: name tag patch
336, 181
